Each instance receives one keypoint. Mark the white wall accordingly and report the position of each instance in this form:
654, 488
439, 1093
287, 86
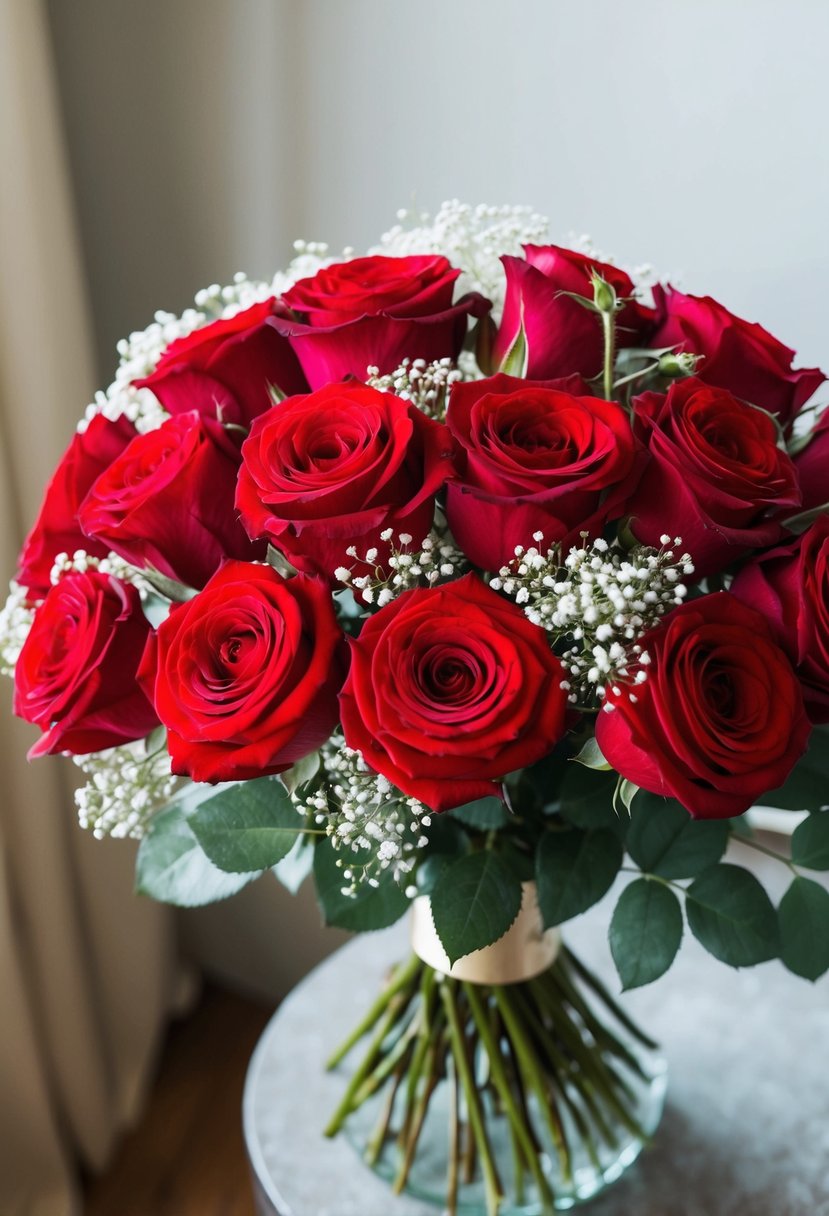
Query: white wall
205, 134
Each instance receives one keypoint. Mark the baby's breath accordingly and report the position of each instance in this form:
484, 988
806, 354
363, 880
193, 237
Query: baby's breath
426, 385
125, 787
437, 558
16, 618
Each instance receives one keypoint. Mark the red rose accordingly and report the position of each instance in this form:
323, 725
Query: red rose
739, 355
245, 675
716, 476
562, 336
337, 467
375, 312
812, 465
719, 721
167, 501
228, 366
534, 458
450, 689
790, 587
75, 676
56, 529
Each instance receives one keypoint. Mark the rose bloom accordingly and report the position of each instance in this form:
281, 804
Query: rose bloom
245, 675
738, 355
790, 587
719, 721
562, 336
75, 677
374, 312
450, 689
56, 529
715, 477
167, 501
812, 465
227, 369
535, 458
335, 468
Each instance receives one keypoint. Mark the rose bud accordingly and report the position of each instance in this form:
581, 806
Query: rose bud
167, 501
450, 689
739, 355
56, 529
535, 457
562, 336
75, 677
245, 675
226, 370
335, 469
375, 312
716, 476
790, 587
719, 721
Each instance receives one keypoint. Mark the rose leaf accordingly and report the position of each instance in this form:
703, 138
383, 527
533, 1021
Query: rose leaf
645, 932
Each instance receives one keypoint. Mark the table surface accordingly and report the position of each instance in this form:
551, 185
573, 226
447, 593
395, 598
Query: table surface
745, 1131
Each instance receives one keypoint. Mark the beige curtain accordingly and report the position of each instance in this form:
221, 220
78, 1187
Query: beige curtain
85, 967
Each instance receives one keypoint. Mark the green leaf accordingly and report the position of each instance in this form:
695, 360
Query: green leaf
446, 837
591, 756
573, 871
485, 814
645, 932
177, 592
369, 908
810, 842
516, 359
804, 928
295, 866
249, 826
623, 795
586, 798
301, 773
731, 915
807, 786
172, 868
663, 839
474, 902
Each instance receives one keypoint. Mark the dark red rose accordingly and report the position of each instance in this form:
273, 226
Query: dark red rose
450, 689
167, 501
75, 677
738, 355
245, 675
716, 475
337, 467
535, 458
790, 587
56, 529
374, 312
562, 336
226, 369
812, 465
719, 721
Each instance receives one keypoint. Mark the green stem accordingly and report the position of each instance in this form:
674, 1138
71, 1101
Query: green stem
378, 1136
646, 371
492, 1185
432, 1075
615, 1008
399, 978
454, 1139
609, 331
428, 1031
761, 848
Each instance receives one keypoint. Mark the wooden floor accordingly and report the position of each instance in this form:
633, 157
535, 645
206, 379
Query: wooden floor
186, 1158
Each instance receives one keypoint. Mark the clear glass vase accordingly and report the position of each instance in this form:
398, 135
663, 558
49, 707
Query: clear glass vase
524, 1097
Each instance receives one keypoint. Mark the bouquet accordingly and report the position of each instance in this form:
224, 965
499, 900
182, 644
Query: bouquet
465, 575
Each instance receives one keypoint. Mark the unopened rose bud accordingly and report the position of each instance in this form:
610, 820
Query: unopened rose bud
604, 295
676, 364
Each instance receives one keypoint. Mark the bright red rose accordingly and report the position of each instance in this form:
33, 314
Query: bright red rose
76, 674
535, 458
56, 529
226, 369
337, 467
374, 312
245, 675
738, 355
719, 721
790, 587
715, 477
562, 336
812, 465
167, 501
450, 689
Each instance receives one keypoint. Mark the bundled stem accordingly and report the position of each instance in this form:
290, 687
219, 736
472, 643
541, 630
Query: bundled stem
553, 1061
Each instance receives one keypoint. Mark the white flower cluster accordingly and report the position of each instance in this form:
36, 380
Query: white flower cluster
437, 558
126, 786
426, 385
472, 238
601, 598
80, 561
16, 618
375, 825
